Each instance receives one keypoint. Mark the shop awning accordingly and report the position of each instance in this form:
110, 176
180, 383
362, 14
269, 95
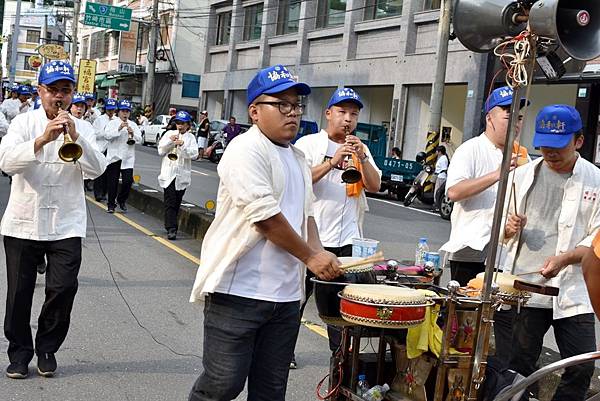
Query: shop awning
102, 81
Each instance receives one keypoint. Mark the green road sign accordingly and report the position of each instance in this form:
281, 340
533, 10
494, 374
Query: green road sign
104, 16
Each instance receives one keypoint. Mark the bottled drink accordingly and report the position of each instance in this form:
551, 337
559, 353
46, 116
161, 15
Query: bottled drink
376, 393
362, 386
420, 251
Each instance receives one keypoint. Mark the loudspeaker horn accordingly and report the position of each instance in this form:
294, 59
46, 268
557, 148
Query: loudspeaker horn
574, 24
480, 25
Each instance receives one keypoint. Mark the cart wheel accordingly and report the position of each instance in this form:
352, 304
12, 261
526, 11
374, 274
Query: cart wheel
446, 208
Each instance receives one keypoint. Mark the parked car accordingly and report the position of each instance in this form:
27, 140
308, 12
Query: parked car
153, 132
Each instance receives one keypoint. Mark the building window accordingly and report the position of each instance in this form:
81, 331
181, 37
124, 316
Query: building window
382, 9
106, 45
253, 16
191, 86
431, 4
223, 28
49, 37
33, 36
288, 16
331, 13
85, 44
114, 43
26, 65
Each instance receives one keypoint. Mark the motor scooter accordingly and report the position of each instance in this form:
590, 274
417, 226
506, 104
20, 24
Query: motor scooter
216, 147
416, 191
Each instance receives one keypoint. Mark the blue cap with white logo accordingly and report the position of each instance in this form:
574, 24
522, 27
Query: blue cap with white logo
34, 89
56, 71
345, 95
183, 116
501, 97
37, 104
24, 90
89, 96
555, 126
78, 98
110, 104
272, 80
124, 105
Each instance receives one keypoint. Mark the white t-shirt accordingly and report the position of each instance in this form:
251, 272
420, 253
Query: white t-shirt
336, 214
441, 167
267, 272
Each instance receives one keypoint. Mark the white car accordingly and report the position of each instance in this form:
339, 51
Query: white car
153, 131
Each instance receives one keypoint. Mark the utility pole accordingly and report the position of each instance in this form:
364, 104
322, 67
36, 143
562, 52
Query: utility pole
74, 41
14, 46
151, 56
437, 89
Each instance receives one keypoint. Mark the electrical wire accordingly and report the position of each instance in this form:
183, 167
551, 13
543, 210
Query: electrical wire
137, 320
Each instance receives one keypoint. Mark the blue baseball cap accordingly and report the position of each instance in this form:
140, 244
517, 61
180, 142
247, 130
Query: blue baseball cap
56, 71
24, 90
183, 116
271, 80
37, 103
344, 95
124, 105
501, 97
89, 96
34, 89
555, 126
110, 104
78, 98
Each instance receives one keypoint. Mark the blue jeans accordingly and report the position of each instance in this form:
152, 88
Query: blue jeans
574, 335
246, 338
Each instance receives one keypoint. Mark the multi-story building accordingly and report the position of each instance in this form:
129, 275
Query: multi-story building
123, 56
383, 48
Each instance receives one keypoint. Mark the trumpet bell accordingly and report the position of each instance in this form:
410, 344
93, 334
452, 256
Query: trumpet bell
351, 175
130, 141
69, 150
172, 156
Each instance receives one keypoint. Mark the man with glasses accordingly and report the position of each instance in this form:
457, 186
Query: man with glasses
45, 217
339, 207
254, 254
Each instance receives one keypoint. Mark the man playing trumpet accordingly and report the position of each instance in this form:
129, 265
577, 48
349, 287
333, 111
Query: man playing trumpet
122, 135
45, 217
178, 148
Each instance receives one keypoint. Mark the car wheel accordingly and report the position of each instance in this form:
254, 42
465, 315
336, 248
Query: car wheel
409, 198
401, 193
144, 139
446, 208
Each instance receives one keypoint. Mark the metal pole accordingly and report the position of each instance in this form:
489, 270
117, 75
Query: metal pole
76, 11
437, 88
15, 43
151, 56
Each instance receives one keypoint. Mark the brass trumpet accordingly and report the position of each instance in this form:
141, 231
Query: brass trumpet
130, 140
351, 174
69, 151
173, 153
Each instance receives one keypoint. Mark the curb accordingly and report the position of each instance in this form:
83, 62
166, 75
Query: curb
193, 220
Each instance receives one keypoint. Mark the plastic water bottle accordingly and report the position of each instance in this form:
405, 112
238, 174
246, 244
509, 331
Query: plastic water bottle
376, 393
362, 386
420, 251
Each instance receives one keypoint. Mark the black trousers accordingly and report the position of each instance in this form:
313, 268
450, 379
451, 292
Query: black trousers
172, 203
334, 333
113, 172
465, 271
100, 185
22, 257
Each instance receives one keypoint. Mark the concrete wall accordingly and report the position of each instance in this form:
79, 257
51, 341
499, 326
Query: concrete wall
214, 104
283, 54
248, 59
218, 62
325, 50
239, 109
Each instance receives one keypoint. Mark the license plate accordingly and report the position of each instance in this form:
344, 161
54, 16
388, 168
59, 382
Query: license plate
219, 151
397, 178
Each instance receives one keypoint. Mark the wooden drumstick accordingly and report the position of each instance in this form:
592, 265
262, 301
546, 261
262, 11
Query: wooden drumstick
377, 257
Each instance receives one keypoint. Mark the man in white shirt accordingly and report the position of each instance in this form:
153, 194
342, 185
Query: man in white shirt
14, 106
45, 217
100, 183
339, 207
91, 113
253, 256
441, 169
558, 214
177, 149
122, 135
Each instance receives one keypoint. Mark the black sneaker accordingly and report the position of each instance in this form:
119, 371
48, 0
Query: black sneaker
293, 364
17, 370
111, 209
172, 235
123, 206
46, 365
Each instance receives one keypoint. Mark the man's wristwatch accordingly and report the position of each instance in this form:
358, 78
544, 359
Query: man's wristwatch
364, 159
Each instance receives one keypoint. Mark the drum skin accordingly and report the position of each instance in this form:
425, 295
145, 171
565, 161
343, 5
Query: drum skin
384, 316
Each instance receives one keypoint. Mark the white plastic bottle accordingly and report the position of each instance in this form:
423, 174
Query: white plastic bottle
376, 393
420, 251
362, 386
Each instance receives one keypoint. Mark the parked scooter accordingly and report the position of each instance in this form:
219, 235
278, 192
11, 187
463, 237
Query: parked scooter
416, 191
216, 147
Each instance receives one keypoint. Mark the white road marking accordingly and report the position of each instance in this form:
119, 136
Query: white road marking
200, 172
411, 208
